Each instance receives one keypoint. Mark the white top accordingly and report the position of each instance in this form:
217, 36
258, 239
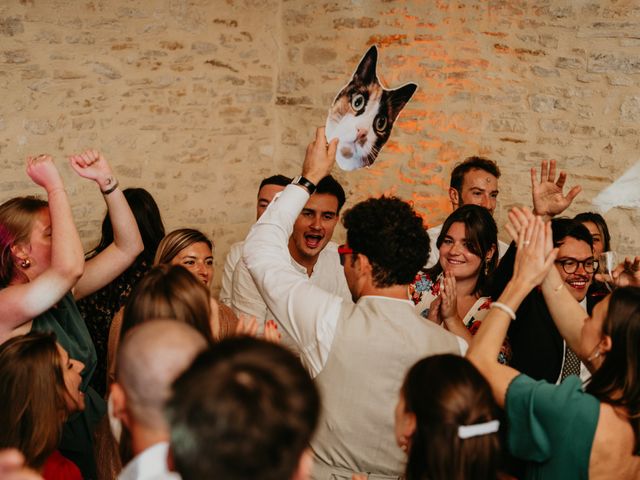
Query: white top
150, 464
434, 253
233, 257
307, 313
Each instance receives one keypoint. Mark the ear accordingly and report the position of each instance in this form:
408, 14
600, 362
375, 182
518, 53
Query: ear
20, 251
305, 464
408, 424
399, 98
606, 344
362, 264
490, 253
366, 71
454, 196
119, 400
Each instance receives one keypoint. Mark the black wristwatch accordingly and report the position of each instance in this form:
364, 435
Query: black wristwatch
303, 182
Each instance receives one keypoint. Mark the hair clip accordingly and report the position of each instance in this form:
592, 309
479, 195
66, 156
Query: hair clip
468, 431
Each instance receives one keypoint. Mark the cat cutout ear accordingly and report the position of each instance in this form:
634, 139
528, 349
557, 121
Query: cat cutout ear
400, 97
362, 114
366, 71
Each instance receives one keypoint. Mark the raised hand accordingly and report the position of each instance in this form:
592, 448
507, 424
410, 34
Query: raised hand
434, 310
449, 305
535, 254
319, 158
43, 171
626, 273
548, 199
91, 164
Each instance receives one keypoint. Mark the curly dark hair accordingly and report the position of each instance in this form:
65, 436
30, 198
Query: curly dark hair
391, 235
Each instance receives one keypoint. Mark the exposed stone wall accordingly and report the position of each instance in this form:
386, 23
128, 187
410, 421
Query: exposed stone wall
198, 100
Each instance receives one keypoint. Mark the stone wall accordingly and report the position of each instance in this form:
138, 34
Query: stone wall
198, 100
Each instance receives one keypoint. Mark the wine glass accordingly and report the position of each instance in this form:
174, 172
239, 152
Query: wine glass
607, 262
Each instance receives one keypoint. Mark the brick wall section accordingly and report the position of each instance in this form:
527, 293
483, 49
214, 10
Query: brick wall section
198, 100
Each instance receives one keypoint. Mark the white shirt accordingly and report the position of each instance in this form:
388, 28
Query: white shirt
434, 253
233, 257
327, 274
290, 295
150, 464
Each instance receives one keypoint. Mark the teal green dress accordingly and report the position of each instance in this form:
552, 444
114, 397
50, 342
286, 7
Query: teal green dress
551, 427
65, 321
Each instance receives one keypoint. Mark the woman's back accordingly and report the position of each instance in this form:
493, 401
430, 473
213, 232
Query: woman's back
613, 445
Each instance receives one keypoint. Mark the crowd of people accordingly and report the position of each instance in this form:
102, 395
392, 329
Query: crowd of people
405, 353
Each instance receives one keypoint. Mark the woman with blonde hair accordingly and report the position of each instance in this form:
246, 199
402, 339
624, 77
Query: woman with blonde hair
40, 388
194, 251
43, 272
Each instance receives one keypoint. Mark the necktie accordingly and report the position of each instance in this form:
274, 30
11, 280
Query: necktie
571, 365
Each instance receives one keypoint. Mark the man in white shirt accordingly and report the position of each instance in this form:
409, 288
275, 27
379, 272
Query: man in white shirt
359, 352
475, 182
312, 254
269, 188
151, 356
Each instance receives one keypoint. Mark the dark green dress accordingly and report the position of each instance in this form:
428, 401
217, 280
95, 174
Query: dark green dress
552, 427
65, 321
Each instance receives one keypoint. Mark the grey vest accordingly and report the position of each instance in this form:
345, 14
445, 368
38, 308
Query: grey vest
376, 342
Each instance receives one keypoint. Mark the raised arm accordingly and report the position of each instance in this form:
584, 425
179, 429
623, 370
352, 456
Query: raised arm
39, 283
548, 199
127, 242
533, 260
306, 312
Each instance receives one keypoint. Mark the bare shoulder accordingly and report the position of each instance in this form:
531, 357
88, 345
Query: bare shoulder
613, 447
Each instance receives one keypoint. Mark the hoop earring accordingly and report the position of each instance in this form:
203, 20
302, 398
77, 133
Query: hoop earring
25, 263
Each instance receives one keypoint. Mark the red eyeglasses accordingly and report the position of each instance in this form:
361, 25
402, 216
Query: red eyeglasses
342, 251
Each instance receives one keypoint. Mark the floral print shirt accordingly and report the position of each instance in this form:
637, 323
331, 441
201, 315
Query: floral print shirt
425, 290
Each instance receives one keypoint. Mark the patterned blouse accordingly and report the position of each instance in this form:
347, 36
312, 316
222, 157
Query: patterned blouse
424, 290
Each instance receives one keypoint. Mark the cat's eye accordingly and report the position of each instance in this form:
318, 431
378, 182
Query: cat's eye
380, 123
357, 102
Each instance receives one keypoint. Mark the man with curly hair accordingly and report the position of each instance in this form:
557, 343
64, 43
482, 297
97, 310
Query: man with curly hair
358, 352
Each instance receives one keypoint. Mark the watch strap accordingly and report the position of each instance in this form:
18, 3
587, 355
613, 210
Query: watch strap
304, 182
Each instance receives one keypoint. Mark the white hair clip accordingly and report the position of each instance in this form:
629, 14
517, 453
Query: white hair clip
468, 431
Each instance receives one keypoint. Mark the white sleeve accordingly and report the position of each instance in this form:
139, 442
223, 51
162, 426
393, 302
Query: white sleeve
308, 313
234, 255
245, 297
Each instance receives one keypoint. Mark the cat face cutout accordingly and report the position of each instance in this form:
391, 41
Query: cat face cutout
363, 113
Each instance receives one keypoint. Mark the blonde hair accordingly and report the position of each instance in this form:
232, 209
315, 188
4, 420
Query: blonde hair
16, 221
176, 241
32, 404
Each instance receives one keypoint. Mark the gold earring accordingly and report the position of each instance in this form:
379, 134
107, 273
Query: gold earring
26, 263
486, 268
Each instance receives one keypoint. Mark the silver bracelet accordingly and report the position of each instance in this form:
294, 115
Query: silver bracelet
505, 308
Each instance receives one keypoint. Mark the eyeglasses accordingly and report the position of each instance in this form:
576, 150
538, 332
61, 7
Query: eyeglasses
342, 251
570, 265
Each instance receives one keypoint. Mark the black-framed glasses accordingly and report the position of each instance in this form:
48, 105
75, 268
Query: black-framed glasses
570, 265
342, 251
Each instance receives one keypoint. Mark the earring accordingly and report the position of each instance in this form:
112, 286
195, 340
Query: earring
25, 263
486, 268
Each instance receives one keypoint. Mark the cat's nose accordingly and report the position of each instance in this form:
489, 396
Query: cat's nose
362, 136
